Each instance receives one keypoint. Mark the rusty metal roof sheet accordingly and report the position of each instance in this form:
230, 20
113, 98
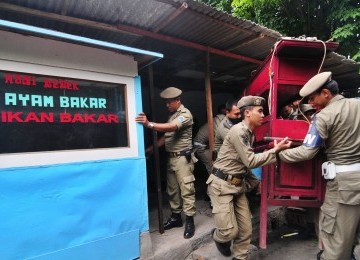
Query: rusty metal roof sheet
182, 30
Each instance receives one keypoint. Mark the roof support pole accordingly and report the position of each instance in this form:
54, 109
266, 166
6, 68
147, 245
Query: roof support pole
156, 153
209, 102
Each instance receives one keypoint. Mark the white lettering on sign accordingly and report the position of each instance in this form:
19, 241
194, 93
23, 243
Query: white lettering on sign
14, 99
82, 102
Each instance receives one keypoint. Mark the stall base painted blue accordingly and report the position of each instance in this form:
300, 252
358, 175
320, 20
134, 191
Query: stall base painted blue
90, 251
79, 209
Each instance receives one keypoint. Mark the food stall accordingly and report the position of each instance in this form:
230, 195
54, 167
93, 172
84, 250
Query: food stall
72, 164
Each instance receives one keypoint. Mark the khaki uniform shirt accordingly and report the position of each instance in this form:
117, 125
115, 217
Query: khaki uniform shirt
237, 155
202, 136
181, 139
221, 132
338, 128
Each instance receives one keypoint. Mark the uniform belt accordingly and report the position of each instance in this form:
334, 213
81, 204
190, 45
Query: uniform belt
231, 178
348, 168
177, 154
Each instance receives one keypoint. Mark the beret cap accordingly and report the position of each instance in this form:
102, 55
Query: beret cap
251, 101
315, 83
170, 92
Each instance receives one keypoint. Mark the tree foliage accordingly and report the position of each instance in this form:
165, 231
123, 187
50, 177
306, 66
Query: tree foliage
337, 20
222, 5
347, 28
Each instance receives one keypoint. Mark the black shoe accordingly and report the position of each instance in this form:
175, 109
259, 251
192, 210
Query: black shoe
224, 248
174, 221
319, 254
189, 227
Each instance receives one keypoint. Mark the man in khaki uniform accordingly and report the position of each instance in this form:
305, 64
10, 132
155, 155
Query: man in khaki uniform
227, 183
201, 142
336, 128
231, 118
178, 145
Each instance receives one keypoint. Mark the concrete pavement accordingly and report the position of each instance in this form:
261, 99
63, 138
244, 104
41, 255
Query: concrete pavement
172, 245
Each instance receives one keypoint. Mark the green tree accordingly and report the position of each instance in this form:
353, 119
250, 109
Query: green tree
222, 5
337, 20
347, 28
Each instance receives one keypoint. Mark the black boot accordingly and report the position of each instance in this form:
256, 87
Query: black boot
189, 227
319, 254
174, 221
224, 248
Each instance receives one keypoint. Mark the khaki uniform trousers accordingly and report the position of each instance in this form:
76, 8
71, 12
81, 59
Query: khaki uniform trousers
340, 216
205, 158
231, 215
180, 185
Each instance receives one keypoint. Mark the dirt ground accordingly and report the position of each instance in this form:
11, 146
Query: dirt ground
297, 247
303, 246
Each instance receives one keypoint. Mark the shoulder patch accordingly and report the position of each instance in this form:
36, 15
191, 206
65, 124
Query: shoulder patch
181, 119
228, 124
245, 139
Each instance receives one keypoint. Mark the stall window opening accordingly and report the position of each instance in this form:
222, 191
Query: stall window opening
45, 113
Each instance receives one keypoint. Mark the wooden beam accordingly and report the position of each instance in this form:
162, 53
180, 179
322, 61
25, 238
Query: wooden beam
156, 153
209, 103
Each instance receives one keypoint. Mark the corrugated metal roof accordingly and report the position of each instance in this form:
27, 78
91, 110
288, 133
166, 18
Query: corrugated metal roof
181, 30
